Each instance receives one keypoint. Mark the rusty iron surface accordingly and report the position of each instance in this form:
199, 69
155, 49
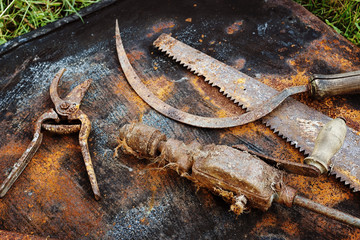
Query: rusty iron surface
5, 235
277, 42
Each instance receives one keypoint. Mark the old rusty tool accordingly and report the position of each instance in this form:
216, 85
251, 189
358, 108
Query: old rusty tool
241, 179
63, 120
329, 140
319, 86
292, 120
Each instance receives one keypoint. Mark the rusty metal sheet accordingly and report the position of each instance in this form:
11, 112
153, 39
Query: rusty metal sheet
276, 42
5, 235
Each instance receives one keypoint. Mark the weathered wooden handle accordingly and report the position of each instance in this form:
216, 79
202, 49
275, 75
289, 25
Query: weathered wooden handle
335, 84
327, 143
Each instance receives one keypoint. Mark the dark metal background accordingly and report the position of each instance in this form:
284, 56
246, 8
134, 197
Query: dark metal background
277, 42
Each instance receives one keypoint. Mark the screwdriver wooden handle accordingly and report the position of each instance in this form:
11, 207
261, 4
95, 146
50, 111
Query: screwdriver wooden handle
335, 84
328, 142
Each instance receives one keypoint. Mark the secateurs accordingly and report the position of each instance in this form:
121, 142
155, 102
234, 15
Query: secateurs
64, 119
242, 179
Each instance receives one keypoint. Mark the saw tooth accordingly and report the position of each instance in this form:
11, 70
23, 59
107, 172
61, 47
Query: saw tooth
209, 81
198, 73
303, 151
283, 136
343, 179
159, 48
290, 121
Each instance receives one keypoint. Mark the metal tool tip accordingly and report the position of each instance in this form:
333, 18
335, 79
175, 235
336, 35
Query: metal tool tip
97, 197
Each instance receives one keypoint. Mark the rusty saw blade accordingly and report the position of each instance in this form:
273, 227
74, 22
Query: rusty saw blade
300, 123
194, 120
292, 120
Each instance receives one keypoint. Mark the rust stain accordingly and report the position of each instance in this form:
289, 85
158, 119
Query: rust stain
10, 153
290, 228
239, 63
152, 199
122, 88
233, 28
160, 86
159, 27
46, 193
321, 50
353, 235
135, 55
222, 113
270, 221
279, 82
320, 189
5, 235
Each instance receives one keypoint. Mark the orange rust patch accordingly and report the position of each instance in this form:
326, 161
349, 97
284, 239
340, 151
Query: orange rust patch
123, 88
320, 189
239, 63
152, 200
320, 50
237, 131
279, 83
160, 27
13, 148
222, 113
144, 221
160, 86
234, 27
10, 153
269, 220
46, 189
353, 235
291, 228
185, 108
135, 55
5, 235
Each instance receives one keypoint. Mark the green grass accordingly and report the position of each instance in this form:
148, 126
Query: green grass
342, 15
21, 16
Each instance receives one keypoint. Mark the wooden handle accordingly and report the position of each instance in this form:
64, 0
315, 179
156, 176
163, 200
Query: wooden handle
335, 84
327, 143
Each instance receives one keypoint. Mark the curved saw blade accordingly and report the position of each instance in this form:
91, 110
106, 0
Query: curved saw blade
198, 121
292, 120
